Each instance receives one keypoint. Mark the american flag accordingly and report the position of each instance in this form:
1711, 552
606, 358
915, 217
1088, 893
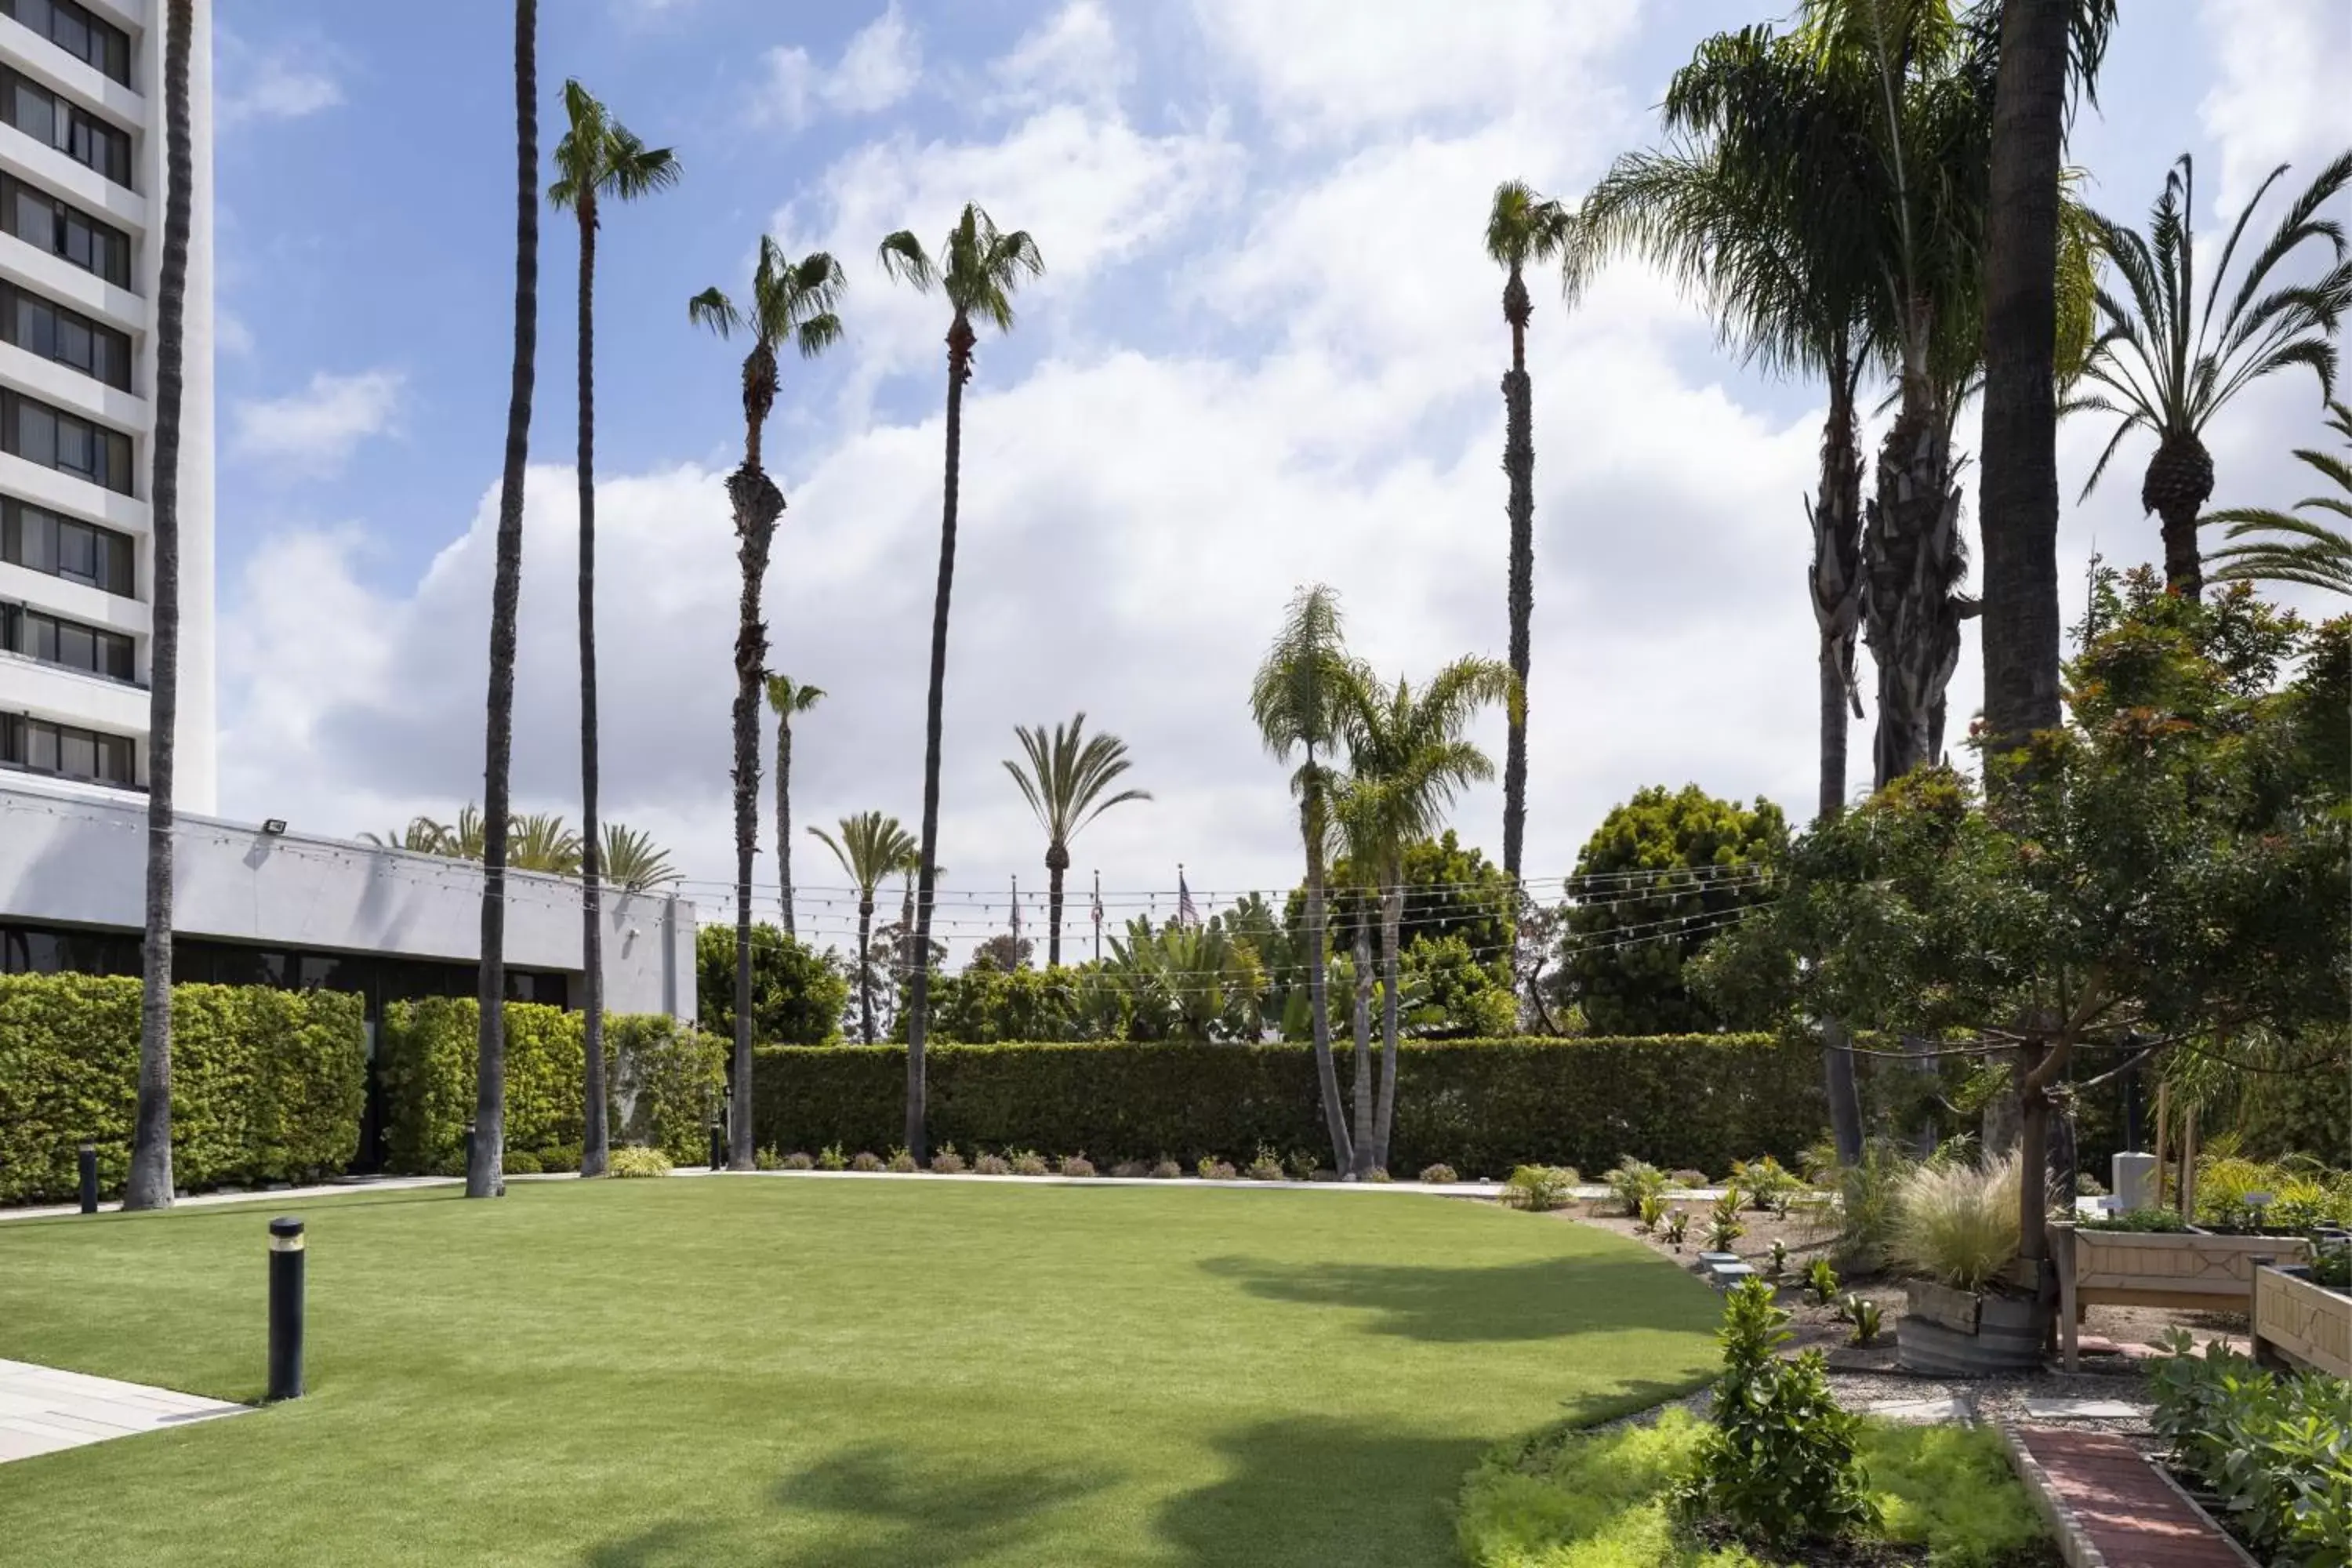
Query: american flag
1186, 915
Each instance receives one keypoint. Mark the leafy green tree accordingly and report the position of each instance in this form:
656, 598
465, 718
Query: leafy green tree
872, 847
1666, 874
788, 700
2167, 365
2280, 547
797, 993
1067, 781
989, 1005
791, 301
1450, 992
979, 269
1003, 952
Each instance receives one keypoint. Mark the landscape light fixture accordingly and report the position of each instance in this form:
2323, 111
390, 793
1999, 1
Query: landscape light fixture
273, 826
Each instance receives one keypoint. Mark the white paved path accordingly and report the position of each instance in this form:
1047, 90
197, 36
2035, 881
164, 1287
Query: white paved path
42, 1409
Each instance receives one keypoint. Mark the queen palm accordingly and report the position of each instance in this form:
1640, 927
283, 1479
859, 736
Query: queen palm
1407, 761
598, 160
150, 1184
2167, 365
483, 1179
2270, 546
632, 862
1066, 784
1297, 699
978, 270
1521, 227
788, 698
791, 301
871, 847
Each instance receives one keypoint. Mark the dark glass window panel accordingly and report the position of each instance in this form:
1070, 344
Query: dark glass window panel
34, 431
118, 760
41, 745
78, 753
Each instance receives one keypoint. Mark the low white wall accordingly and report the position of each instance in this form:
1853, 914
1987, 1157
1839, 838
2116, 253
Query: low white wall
75, 858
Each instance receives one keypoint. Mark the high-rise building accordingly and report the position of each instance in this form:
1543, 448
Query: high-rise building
82, 242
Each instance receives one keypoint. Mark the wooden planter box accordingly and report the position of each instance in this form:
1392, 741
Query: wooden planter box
1960, 1334
2309, 1323
2191, 1269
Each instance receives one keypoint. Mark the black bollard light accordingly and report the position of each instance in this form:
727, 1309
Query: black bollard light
469, 1150
285, 1308
717, 1145
88, 1155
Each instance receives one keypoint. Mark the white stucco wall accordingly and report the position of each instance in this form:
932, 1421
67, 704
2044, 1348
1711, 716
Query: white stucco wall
77, 855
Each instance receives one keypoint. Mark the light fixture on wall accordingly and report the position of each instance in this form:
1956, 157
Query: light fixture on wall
273, 826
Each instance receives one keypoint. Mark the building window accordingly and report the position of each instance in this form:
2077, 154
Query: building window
61, 230
53, 639
37, 433
40, 541
95, 43
46, 748
68, 337
66, 126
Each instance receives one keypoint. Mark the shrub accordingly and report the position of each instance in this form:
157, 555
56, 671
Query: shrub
267, 1085
991, 1165
798, 1160
1821, 1282
1652, 1216
630, 1161
1130, 1170
2274, 1447
518, 1162
1266, 1167
1217, 1171
562, 1157
1301, 1163
1779, 1463
765, 1158
1379, 1173
1678, 1226
2151, 1220
1868, 1203
901, 1161
1864, 1315
830, 1158
1439, 1173
1028, 1163
2087, 1185
1765, 1182
946, 1162
1633, 1180
1958, 1224
1776, 1264
1539, 1189
1722, 1230
1166, 1170
867, 1161
1076, 1166
1686, 1177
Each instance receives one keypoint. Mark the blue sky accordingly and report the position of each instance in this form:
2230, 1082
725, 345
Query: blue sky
1264, 352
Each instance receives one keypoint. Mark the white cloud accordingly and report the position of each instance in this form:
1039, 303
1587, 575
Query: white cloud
315, 430
878, 65
2280, 96
1072, 56
285, 81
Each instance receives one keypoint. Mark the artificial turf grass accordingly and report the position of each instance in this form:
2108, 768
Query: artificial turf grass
855, 1375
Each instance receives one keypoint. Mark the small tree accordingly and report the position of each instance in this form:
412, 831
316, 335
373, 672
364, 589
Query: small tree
797, 993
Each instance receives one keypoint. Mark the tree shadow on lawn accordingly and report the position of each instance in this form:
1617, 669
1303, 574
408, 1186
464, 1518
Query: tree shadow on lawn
1541, 1298
893, 1512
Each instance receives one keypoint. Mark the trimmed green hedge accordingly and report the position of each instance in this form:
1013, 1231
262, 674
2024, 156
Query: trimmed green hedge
1481, 1106
661, 1081
267, 1085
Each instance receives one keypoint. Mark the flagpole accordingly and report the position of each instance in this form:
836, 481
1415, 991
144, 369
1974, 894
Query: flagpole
1098, 915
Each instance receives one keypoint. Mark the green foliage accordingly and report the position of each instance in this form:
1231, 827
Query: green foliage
519, 1162
1722, 1230
1779, 1462
797, 993
865, 1160
2276, 1448
1211, 1169
1678, 1226
560, 1157
1540, 1189
1958, 1223
1776, 1264
663, 1081
1650, 1212
1447, 993
985, 1006
1820, 1281
765, 1157
2303, 1195
1027, 1163
1477, 1106
1632, 1181
1866, 1316
990, 1165
946, 1161
831, 1158
1076, 1166
2154, 1221
1266, 1166
1766, 1181
1439, 1173
901, 1162
1628, 986
629, 1162
267, 1085
1869, 1204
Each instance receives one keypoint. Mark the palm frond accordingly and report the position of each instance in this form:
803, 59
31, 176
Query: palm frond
713, 309
787, 697
632, 862
902, 257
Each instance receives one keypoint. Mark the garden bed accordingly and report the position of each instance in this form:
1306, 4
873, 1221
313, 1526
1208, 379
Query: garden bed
2191, 1269
2309, 1322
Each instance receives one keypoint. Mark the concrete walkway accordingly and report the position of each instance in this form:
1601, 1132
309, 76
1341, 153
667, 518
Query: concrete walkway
43, 1410
277, 1196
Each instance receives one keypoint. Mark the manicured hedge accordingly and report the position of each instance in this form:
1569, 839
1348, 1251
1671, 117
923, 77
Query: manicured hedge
1481, 1106
661, 1081
267, 1085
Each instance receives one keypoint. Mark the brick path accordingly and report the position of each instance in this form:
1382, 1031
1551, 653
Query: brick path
2118, 1500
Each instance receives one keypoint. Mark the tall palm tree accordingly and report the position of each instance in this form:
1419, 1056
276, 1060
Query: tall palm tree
872, 846
1407, 760
151, 1143
788, 698
598, 160
1067, 773
2166, 366
423, 835
2281, 547
632, 862
1297, 700
790, 302
1521, 227
484, 1165
979, 270
541, 841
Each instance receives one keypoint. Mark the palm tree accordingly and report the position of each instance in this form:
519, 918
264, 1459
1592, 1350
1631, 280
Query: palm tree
2314, 553
423, 835
150, 1184
541, 842
2166, 366
872, 846
1406, 760
1064, 784
632, 862
788, 698
979, 269
598, 159
1521, 227
1297, 701
790, 301
483, 1167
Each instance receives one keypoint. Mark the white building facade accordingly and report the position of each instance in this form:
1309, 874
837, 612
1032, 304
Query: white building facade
82, 221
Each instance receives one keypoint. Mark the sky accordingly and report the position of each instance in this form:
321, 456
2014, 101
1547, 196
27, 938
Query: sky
1266, 351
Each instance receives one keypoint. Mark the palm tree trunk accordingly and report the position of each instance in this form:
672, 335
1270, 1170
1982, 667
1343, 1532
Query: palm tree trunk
1391, 919
595, 1142
785, 817
1326, 1074
757, 505
151, 1143
1362, 1164
1054, 869
865, 968
919, 994
2184, 566
1911, 541
1837, 593
2017, 475
1519, 464
483, 1169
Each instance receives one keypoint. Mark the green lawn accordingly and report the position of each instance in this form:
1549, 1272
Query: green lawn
852, 1374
